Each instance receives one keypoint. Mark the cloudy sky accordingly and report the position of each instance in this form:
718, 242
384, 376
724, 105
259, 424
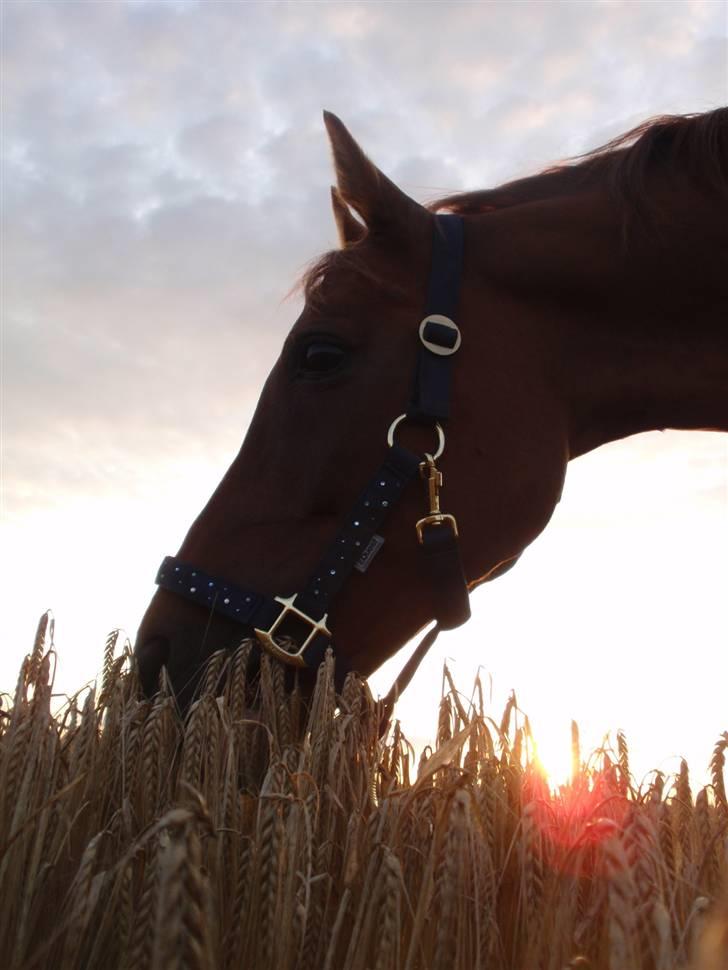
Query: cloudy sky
165, 179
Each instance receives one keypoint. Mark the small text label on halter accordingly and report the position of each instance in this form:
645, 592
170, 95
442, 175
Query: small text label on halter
372, 548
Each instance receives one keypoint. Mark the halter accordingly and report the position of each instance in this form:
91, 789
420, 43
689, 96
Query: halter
294, 628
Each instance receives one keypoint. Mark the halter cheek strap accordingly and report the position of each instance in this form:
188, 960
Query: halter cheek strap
294, 628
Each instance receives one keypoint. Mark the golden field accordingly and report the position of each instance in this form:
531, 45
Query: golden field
260, 832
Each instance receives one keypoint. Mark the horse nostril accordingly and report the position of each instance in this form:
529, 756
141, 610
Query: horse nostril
151, 656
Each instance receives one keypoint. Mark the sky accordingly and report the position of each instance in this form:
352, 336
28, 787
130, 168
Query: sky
165, 177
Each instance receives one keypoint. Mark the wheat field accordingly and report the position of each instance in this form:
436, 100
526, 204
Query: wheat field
293, 837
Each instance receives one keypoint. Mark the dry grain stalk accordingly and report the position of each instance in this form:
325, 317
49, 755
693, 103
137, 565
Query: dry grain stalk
261, 832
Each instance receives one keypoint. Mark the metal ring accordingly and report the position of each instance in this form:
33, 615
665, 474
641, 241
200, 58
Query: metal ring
446, 322
438, 428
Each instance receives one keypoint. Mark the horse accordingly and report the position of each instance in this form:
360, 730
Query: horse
563, 311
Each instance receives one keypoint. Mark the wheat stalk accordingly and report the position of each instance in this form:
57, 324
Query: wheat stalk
267, 830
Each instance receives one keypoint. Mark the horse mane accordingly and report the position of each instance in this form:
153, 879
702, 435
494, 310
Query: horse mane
693, 144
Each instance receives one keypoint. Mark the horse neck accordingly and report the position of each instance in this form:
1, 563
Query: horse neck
644, 381
635, 330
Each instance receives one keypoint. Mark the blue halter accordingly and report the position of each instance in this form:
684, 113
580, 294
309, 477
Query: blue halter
294, 628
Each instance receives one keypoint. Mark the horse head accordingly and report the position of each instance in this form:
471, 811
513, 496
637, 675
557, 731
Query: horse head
320, 429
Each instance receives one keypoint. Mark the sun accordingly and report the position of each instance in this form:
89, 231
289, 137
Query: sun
553, 752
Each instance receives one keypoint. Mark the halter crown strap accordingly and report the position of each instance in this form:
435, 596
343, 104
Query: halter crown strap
439, 335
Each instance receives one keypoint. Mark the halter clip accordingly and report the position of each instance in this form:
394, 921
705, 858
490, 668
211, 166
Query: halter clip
433, 477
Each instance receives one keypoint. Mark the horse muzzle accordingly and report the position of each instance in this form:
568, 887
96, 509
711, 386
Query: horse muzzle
181, 637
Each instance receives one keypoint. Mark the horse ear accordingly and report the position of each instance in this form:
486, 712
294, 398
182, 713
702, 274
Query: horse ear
350, 229
379, 202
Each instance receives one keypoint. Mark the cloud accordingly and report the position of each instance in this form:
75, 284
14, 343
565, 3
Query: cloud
165, 179
165, 175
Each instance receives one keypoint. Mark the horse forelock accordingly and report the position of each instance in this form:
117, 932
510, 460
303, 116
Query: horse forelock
334, 268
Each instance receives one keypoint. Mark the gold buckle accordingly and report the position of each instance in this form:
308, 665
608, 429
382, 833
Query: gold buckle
293, 657
440, 518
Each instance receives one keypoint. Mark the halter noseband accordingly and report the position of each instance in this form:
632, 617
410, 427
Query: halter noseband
294, 628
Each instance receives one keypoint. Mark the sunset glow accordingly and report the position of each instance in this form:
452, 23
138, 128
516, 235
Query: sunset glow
166, 179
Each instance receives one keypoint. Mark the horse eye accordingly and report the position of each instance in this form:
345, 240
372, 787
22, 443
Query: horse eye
321, 357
